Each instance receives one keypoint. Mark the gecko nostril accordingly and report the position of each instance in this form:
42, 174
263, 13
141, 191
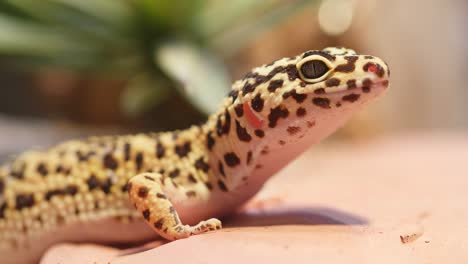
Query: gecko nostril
374, 68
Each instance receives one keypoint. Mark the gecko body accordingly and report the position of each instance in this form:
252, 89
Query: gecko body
116, 189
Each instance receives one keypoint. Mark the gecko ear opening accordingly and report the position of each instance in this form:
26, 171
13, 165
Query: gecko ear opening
314, 68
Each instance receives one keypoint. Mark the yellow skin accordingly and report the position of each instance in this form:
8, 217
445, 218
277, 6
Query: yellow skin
88, 190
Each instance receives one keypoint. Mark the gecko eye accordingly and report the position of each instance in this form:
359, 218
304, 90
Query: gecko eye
313, 69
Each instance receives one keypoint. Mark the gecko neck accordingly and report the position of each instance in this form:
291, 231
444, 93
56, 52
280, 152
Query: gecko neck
262, 157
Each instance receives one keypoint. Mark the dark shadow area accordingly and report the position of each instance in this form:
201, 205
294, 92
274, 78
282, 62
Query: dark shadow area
293, 216
253, 217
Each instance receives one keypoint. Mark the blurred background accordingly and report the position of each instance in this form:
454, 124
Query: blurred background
73, 68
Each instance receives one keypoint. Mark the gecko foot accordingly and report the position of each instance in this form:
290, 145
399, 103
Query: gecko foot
147, 194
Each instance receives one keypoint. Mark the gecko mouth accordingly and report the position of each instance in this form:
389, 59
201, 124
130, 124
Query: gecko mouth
365, 84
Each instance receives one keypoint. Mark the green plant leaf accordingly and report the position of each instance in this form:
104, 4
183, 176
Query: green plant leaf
202, 77
221, 15
229, 41
87, 21
168, 16
17, 37
113, 12
143, 92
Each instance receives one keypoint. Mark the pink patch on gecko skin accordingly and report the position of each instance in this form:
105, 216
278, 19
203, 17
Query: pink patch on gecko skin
253, 120
372, 68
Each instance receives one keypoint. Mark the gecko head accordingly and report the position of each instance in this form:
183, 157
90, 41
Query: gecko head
280, 109
318, 88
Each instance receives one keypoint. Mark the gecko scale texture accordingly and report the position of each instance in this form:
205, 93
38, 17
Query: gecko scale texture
102, 189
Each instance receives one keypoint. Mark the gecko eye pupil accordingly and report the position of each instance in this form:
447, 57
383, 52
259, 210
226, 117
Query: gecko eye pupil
314, 69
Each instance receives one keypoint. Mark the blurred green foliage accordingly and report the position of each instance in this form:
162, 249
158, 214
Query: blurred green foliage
163, 48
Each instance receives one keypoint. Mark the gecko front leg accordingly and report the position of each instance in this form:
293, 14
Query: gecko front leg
147, 194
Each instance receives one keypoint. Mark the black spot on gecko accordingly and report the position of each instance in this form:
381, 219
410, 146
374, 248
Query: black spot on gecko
210, 142
259, 133
174, 173
223, 128
59, 169
160, 151
24, 201
52, 193
202, 165
259, 79
385, 83
191, 178
249, 157
319, 91
275, 84
299, 98
143, 192
127, 150
221, 169
231, 159
300, 112
366, 85
350, 66
250, 75
110, 162
332, 82
183, 150
209, 186
351, 97
367, 82
84, 157
17, 174
71, 190
191, 193
292, 130
248, 88
351, 84
2, 210
239, 109
159, 224
277, 113
222, 186
242, 133
161, 196
125, 187
149, 178
321, 102
257, 103
42, 169
146, 214
106, 186
92, 182
291, 70
172, 210
275, 71
233, 94
139, 161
